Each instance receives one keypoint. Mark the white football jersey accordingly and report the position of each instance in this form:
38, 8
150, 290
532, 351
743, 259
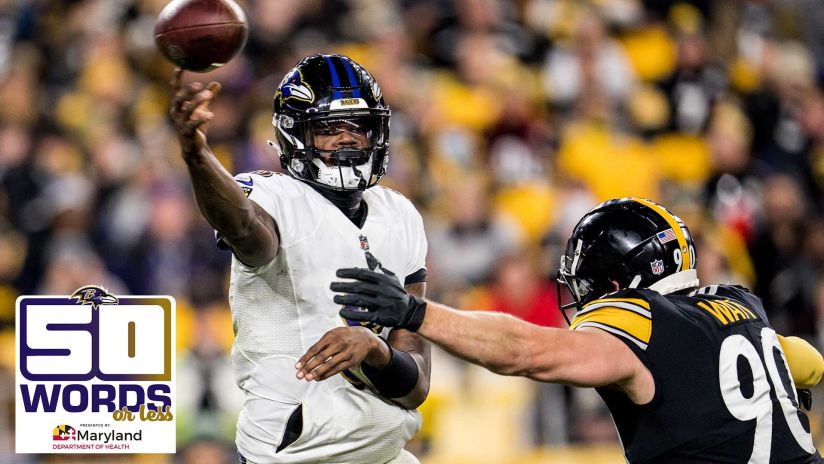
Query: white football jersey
281, 309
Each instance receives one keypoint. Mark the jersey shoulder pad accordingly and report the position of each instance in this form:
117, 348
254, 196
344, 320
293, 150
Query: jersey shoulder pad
257, 181
392, 199
387, 194
625, 314
741, 293
736, 293
723, 290
264, 173
386, 191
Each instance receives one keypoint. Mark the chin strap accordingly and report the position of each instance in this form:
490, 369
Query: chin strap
278, 153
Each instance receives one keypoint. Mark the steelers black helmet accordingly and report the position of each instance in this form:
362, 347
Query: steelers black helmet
627, 243
321, 96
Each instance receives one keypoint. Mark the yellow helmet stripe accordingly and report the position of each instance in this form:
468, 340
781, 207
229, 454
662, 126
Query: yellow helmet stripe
676, 227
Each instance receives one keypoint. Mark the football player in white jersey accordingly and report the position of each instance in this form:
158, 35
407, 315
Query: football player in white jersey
288, 234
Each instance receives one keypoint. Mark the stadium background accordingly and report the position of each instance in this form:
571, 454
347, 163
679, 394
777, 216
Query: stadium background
510, 120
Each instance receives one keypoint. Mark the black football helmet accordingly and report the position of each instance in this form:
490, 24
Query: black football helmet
631, 242
326, 95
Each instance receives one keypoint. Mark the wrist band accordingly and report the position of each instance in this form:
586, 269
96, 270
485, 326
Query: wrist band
398, 378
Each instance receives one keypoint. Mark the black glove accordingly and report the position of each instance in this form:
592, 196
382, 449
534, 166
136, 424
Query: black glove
378, 297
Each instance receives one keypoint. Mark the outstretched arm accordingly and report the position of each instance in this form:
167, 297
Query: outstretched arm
502, 343
244, 225
510, 346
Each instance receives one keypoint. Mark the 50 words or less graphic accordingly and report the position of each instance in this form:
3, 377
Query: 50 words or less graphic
95, 373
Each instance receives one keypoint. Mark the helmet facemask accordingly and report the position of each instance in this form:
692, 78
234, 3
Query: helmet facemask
340, 150
580, 289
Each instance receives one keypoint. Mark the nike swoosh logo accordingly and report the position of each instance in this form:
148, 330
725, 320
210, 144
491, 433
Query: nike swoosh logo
247, 183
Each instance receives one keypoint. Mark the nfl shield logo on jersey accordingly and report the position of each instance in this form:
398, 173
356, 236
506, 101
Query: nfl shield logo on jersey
364, 243
657, 266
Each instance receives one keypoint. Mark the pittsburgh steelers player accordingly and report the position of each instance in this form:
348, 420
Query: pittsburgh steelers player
690, 374
288, 234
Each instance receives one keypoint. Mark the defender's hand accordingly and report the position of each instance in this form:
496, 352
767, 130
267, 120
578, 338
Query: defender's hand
378, 297
189, 111
342, 348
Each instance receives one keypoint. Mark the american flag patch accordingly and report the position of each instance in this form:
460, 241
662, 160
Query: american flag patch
666, 236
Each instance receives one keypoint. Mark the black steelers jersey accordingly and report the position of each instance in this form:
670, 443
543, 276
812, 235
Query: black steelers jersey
723, 392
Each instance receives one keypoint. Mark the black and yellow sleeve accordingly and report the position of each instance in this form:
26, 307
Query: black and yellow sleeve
628, 318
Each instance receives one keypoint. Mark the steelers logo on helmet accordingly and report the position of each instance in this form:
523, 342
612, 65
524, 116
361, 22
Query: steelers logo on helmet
332, 125
626, 243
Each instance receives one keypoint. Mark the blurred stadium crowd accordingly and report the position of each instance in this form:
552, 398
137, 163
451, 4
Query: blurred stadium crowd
510, 120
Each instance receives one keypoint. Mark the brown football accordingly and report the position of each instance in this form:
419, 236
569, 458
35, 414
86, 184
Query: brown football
201, 35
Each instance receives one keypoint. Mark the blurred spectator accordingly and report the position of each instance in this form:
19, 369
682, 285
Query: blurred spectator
778, 110
520, 289
590, 63
609, 162
212, 400
206, 450
466, 247
694, 86
784, 278
733, 190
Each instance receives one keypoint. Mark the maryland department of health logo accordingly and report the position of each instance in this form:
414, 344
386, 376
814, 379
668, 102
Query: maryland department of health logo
100, 362
64, 432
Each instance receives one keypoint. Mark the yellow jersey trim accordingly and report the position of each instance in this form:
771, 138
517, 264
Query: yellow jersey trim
631, 323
